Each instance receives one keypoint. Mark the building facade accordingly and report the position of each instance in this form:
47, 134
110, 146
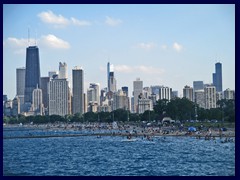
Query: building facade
217, 77
188, 92
44, 86
210, 96
62, 71
58, 97
137, 90
229, 94
37, 105
77, 91
165, 93
32, 76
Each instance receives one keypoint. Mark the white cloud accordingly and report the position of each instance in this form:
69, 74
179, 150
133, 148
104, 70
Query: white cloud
112, 22
51, 18
80, 22
61, 21
54, 42
146, 46
138, 69
50, 41
164, 47
17, 43
123, 68
177, 47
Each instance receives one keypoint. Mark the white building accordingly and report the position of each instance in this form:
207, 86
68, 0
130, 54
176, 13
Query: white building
63, 73
144, 105
137, 90
120, 100
229, 94
165, 93
37, 105
58, 97
188, 92
199, 98
210, 96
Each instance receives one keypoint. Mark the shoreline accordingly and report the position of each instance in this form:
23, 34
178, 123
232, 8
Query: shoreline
126, 130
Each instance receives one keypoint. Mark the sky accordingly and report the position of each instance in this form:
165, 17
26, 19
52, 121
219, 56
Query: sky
162, 44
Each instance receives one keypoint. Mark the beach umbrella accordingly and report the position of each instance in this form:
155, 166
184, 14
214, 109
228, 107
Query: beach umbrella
192, 129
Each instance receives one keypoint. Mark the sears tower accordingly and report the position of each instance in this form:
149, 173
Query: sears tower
32, 76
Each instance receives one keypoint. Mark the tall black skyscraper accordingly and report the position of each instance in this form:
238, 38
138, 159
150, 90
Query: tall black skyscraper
217, 77
32, 76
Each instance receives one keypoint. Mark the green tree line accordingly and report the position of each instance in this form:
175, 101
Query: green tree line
178, 109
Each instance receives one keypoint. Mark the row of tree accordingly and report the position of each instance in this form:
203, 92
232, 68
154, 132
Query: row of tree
179, 109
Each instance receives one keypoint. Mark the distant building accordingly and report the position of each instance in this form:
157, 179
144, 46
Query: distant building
52, 74
210, 96
198, 85
165, 93
217, 77
174, 94
20, 86
62, 71
37, 105
32, 76
137, 90
15, 106
199, 98
112, 82
144, 105
44, 86
77, 90
229, 94
58, 97
125, 89
188, 92
120, 100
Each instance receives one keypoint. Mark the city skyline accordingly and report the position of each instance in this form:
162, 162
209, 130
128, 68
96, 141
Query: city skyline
160, 46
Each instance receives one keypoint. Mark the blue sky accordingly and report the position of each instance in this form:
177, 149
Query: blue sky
170, 45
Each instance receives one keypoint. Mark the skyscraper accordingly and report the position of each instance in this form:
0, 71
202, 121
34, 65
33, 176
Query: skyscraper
165, 93
112, 82
32, 76
20, 86
188, 92
62, 71
210, 96
108, 71
93, 93
137, 90
217, 77
37, 105
44, 87
58, 97
77, 91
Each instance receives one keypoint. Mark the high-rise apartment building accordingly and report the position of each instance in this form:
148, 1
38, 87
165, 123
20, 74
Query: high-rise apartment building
32, 76
120, 100
188, 92
137, 90
199, 98
229, 94
217, 77
198, 85
210, 96
77, 91
58, 97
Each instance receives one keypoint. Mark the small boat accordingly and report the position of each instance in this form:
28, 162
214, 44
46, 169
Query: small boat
129, 140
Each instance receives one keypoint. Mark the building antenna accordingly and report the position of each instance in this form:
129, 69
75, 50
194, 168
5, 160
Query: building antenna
35, 37
28, 36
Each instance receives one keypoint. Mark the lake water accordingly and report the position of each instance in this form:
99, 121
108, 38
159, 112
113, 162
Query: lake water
112, 155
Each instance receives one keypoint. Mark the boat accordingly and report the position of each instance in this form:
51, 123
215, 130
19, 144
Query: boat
129, 140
